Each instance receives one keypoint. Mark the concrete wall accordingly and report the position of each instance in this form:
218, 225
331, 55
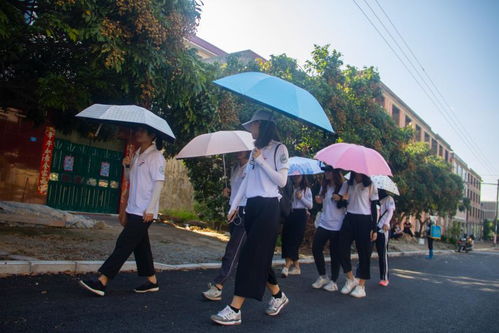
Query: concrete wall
178, 192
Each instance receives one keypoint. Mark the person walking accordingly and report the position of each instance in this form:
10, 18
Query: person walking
328, 229
359, 226
237, 231
387, 207
293, 229
146, 174
266, 172
430, 239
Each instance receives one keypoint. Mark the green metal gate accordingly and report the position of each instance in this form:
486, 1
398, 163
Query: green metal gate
84, 178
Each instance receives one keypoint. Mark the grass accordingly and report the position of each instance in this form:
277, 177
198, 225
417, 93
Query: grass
179, 214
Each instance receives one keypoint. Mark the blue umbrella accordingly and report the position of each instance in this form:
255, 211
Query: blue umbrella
279, 95
304, 166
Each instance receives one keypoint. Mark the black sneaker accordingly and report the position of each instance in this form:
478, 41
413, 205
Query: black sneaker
147, 287
94, 286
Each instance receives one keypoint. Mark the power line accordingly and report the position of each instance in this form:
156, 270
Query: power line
452, 115
435, 101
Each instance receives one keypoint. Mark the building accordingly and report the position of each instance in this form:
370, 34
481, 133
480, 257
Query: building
404, 116
489, 210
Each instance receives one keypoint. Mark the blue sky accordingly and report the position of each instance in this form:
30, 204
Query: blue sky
457, 42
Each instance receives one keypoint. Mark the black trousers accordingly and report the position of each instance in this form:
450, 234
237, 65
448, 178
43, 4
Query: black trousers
293, 231
233, 248
382, 249
254, 270
134, 238
356, 228
430, 243
321, 237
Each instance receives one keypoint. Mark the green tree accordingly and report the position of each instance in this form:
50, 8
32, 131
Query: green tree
488, 229
427, 185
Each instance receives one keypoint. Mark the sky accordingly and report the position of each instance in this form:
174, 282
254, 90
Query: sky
456, 41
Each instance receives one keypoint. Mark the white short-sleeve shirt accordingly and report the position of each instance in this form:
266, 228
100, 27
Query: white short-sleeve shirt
236, 178
259, 184
145, 169
360, 197
331, 217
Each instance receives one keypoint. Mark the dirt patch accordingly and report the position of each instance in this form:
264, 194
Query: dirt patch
170, 244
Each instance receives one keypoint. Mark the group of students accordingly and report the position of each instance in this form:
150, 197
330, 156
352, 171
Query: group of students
349, 214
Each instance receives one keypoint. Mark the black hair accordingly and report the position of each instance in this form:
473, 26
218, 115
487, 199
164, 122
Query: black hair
382, 193
303, 183
366, 181
266, 133
158, 140
337, 181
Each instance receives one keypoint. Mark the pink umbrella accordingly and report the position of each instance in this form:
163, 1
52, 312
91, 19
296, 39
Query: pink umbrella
348, 156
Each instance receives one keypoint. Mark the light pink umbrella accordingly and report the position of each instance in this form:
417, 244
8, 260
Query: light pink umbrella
348, 156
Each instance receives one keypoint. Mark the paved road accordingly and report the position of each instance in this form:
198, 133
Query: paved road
451, 293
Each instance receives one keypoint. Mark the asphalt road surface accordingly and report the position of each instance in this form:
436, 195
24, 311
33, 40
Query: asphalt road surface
451, 293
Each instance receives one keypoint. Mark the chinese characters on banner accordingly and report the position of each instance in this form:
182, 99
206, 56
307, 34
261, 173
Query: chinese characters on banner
46, 160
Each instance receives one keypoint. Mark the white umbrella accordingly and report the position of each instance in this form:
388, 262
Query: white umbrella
127, 115
385, 183
218, 143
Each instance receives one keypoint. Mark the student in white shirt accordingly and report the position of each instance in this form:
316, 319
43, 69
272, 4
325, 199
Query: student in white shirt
146, 173
387, 207
267, 171
293, 228
237, 230
328, 229
359, 226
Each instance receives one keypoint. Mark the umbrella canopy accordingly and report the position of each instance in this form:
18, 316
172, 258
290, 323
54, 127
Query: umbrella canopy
304, 166
127, 115
279, 95
217, 143
348, 156
385, 183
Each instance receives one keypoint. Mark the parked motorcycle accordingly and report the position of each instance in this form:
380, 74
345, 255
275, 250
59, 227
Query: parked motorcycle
465, 244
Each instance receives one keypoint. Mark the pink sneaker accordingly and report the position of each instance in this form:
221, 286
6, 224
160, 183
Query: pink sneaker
383, 283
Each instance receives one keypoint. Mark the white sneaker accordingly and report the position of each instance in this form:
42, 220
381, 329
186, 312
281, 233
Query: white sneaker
227, 317
213, 294
284, 272
349, 285
331, 286
294, 271
320, 282
276, 305
359, 292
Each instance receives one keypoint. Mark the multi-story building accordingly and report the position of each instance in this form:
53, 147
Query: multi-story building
489, 210
404, 116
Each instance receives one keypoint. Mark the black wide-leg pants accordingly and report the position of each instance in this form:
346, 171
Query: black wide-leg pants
293, 231
134, 238
255, 261
356, 228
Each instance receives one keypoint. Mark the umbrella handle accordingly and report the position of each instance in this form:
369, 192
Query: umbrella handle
98, 130
225, 170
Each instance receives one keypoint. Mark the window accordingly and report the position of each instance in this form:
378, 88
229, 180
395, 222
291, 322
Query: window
396, 115
426, 137
417, 133
440, 151
447, 155
408, 121
434, 147
381, 101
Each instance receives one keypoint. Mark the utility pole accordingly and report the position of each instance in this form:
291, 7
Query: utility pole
497, 204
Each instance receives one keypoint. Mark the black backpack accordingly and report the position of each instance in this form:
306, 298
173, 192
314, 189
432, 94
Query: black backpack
286, 192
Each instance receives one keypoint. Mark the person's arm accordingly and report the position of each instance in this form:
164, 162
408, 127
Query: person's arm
306, 199
127, 163
241, 192
156, 192
279, 178
387, 217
